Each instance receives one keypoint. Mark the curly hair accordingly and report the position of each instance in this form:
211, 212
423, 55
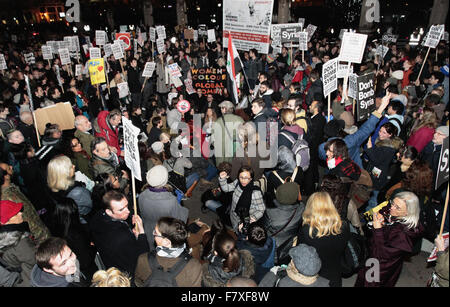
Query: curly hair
418, 179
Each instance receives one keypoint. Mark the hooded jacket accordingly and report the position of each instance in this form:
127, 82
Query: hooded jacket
104, 129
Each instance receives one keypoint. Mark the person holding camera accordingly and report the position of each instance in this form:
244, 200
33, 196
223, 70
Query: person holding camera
247, 204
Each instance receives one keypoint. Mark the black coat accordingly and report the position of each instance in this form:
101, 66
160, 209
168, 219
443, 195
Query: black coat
316, 90
116, 243
133, 80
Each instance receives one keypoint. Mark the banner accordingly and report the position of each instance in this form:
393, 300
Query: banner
366, 96
329, 77
97, 71
148, 69
3, 65
353, 46
434, 36
95, 53
442, 172
249, 22
126, 38
64, 56
131, 149
60, 113
287, 32
209, 79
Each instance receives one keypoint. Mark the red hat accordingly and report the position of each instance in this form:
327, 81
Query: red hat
8, 209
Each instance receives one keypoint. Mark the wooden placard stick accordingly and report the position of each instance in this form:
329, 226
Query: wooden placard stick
143, 85
423, 64
444, 215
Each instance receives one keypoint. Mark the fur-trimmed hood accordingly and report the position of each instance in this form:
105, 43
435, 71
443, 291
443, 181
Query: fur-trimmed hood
10, 235
394, 142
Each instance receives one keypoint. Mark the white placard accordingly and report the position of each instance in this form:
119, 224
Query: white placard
189, 88
174, 70
195, 35
152, 34
74, 44
161, 31
123, 89
160, 45
353, 46
303, 41
47, 52
149, 69
343, 71
3, 65
211, 35
29, 58
434, 36
131, 149
95, 53
382, 50
117, 50
311, 29
78, 69
353, 86
329, 77
301, 21
100, 37
108, 49
64, 55
249, 22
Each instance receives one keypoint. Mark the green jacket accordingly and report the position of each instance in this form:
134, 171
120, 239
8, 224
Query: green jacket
37, 227
85, 140
99, 166
224, 137
82, 164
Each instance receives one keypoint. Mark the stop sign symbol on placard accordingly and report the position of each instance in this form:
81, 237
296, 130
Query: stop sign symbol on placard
126, 38
183, 106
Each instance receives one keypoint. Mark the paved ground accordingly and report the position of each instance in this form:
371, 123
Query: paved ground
415, 272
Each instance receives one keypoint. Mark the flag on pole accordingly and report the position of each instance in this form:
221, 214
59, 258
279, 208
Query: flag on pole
234, 66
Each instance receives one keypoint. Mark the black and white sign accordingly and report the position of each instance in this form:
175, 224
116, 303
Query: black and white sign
329, 77
311, 29
29, 58
353, 86
211, 35
47, 52
389, 38
3, 65
130, 144
301, 21
353, 46
366, 96
152, 34
78, 70
161, 31
100, 37
382, 51
434, 36
95, 53
303, 41
160, 45
108, 49
202, 30
64, 55
442, 173
149, 69
287, 32
343, 70
117, 49
123, 89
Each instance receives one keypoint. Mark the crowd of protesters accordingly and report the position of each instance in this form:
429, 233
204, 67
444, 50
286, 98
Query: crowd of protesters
66, 199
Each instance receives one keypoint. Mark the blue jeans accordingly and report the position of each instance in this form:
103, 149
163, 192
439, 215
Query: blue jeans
211, 172
191, 179
373, 202
213, 205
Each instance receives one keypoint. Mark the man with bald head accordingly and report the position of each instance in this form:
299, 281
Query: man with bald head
26, 126
84, 127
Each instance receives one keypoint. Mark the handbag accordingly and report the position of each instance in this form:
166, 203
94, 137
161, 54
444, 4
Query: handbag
355, 253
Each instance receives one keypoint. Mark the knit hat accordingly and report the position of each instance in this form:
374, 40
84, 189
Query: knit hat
306, 259
444, 70
333, 127
398, 74
8, 209
443, 130
287, 193
158, 147
226, 104
157, 176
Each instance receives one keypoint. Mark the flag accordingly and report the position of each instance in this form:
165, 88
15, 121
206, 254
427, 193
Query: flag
234, 66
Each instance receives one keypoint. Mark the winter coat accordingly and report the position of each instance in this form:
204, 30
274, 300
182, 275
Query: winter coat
82, 163
85, 140
389, 245
18, 251
157, 203
442, 268
254, 67
81, 196
330, 249
316, 89
224, 139
101, 166
161, 85
420, 138
431, 154
133, 80
215, 276
116, 243
40, 278
105, 130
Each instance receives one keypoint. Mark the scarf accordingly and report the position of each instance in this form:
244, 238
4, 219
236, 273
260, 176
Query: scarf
170, 252
113, 160
298, 277
243, 206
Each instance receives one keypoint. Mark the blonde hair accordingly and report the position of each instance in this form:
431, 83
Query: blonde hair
321, 214
247, 134
111, 278
428, 119
288, 117
58, 174
164, 136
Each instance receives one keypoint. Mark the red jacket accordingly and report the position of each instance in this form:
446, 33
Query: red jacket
106, 132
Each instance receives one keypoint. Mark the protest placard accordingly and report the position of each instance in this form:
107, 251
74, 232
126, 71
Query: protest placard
126, 39
329, 77
161, 31
95, 53
108, 49
211, 35
189, 33
442, 174
100, 37
195, 35
343, 70
303, 41
160, 45
3, 65
60, 113
64, 55
189, 87
78, 69
434, 36
389, 38
287, 32
131, 149
117, 50
311, 29
174, 70
366, 96
123, 89
97, 71
152, 34
47, 52
301, 21
29, 58
249, 22
183, 106
202, 30
209, 79
149, 69
353, 46
382, 51
353, 86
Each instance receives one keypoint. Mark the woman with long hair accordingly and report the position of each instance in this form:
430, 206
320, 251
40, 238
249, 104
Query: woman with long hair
324, 229
424, 129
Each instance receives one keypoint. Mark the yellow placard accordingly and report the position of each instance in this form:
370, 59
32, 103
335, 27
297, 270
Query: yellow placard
97, 71
368, 215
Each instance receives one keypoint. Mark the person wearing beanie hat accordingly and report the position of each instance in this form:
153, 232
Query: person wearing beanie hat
17, 249
158, 147
302, 271
350, 127
157, 201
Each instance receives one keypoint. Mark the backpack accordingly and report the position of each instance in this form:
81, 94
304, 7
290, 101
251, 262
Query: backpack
300, 149
307, 135
161, 278
355, 253
288, 179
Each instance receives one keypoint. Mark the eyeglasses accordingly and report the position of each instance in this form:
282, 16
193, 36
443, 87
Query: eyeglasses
245, 178
395, 206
